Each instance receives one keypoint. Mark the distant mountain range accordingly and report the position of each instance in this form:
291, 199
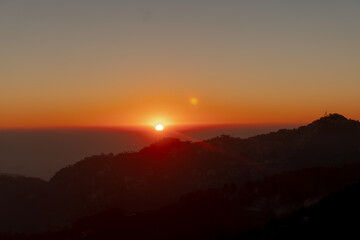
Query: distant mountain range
226, 185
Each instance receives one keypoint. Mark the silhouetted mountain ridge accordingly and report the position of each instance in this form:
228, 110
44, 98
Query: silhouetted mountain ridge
164, 171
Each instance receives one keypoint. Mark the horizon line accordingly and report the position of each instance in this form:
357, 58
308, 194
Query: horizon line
144, 126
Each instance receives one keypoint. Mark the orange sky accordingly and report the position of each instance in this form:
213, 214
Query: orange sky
140, 62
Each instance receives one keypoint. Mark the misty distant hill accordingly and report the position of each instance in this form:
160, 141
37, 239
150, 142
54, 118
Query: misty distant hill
163, 172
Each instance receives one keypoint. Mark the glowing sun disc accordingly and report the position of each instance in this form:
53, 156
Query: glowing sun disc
159, 127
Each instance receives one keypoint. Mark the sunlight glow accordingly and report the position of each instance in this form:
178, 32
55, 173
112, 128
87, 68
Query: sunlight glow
159, 127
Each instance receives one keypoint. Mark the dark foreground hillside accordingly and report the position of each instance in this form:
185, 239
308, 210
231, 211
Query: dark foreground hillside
171, 189
234, 212
335, 217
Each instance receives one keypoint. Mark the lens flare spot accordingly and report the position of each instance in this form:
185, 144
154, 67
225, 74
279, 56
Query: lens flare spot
194, 101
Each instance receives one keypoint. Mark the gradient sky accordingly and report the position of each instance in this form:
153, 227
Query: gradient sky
115, 63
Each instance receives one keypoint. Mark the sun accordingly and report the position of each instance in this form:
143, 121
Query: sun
159, 127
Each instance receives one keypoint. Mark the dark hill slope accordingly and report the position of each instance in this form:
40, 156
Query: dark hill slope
19, 198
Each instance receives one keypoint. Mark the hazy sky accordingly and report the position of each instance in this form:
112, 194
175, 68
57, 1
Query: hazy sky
86, 62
